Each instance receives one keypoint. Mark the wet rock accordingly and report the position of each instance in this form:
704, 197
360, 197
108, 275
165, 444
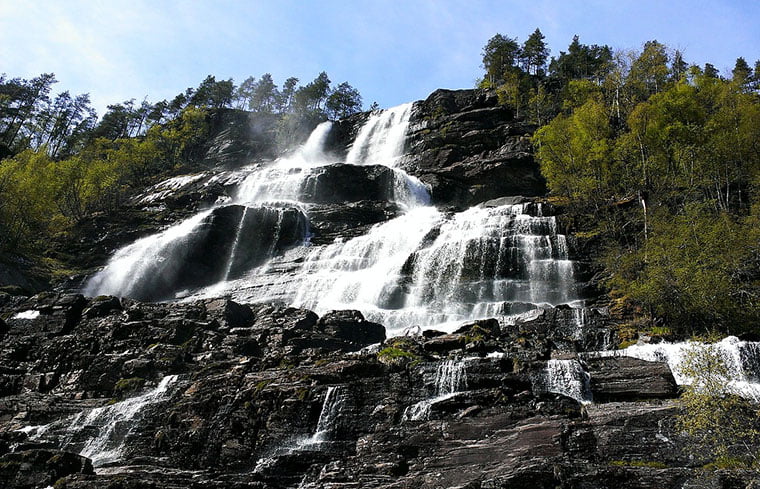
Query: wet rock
340, 183
352, 327
624, 378
347, 220
32, 469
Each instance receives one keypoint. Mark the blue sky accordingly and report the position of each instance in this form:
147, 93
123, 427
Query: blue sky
392, 51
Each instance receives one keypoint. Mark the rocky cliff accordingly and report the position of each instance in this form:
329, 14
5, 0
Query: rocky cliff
238, 385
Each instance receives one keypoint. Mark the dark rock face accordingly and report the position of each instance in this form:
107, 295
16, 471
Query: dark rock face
629, 379
341, 183
469, 149
271, 396
240, 137
347, 220
31, 469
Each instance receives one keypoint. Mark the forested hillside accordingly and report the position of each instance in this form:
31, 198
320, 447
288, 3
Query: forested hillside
658, 164
61, 164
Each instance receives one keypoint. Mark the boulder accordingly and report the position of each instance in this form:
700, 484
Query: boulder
629, 379
340, 183
351, 326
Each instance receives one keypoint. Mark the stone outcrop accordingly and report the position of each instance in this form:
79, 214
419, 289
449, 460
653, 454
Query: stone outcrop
251, 395
469, 149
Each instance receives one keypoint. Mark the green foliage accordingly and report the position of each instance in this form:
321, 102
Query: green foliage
660, 164
719, 423
399, 351
129, 385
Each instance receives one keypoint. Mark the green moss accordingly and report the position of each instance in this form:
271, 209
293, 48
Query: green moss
626, 343
722, 463
392, 352
639, 463
261, 385
129, 385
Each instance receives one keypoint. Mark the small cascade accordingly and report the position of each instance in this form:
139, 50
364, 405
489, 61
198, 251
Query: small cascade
101, 433
285, 180
328, 417
382, 138
741, 360
450, 379
566, 377
487, 262
235, 245
362, 273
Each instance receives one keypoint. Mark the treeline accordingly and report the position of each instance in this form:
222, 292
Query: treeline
658, 161
60, 164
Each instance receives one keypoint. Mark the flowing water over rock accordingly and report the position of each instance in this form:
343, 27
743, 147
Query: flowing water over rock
424, 268
101, 433
450, 379
741, 360
566, 377
328, 417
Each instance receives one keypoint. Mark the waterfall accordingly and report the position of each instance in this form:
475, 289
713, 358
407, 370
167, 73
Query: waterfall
741, 360
129, 266
111, 424
328, 417
566, 377
425, 268
450, 379
381, 139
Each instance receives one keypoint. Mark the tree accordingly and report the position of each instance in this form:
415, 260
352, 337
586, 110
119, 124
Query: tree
212, 93
500, 56
741, 73
534, 53
285, 102
649, 72
244, 93
311, 97
710, 71
722, 425
265, 95
581, 61
678, 66
343, 101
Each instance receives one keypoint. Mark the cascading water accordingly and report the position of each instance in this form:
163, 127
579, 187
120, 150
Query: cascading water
450, 379
328, 417
566, 377
740, 358
424, 268
111, 424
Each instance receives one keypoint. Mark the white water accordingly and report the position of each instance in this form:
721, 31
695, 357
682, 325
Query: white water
328, 416
113, 425
450, 379
30, 314
741, 360
565, 377
381, 140
133, 264
425, 268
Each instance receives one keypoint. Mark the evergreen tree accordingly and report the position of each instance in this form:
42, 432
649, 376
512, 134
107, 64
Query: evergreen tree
741, 73
534, 53
500, 56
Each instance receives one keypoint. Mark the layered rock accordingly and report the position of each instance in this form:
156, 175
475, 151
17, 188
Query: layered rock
271, 396
469, 148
